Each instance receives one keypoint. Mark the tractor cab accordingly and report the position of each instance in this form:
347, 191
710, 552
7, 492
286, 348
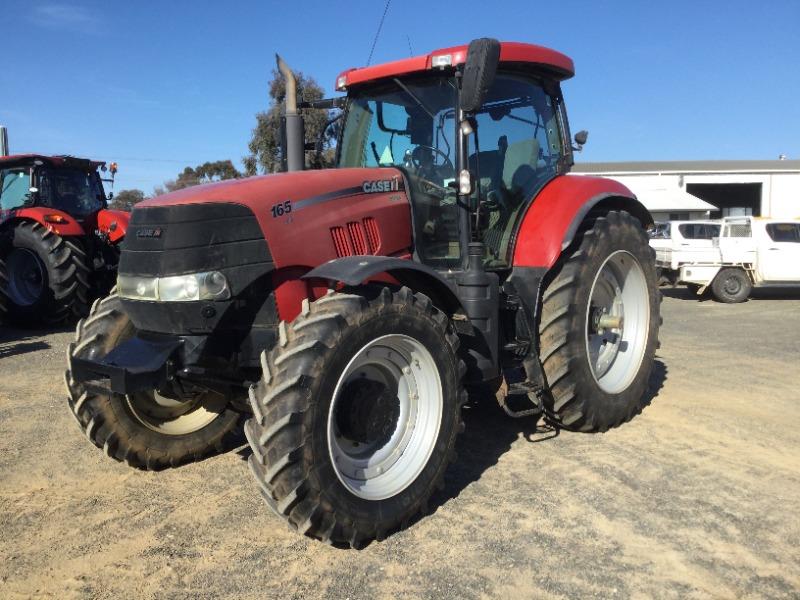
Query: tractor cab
512, 145
66, 184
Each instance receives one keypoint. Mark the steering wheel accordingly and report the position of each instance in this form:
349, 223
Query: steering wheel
416, 158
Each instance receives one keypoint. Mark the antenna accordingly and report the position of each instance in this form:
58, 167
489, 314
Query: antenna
410, 51
377, 33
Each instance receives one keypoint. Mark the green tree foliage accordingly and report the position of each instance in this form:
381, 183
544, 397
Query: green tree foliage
126, 199
208, 172
264, 146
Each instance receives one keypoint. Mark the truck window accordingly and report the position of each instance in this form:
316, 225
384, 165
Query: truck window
699, 231
15, 186
784, 232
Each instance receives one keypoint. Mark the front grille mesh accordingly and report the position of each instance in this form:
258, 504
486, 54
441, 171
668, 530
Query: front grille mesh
358, 238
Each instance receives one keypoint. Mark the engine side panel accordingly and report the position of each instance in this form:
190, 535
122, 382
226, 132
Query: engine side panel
552, 220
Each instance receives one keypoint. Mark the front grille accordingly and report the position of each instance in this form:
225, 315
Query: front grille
191, 238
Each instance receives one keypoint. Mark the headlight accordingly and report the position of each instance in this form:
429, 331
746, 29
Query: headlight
177, 288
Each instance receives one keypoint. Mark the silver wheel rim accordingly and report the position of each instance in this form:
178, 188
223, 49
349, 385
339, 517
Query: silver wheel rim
25, 277
617, 322
394, 381
175, 417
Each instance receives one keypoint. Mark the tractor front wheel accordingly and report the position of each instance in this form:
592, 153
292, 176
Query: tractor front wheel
356, 415
598, 331
152, 429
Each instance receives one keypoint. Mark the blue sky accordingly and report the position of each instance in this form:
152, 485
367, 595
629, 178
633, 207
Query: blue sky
158, 86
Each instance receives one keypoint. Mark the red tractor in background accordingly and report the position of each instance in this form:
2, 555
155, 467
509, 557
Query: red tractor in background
346, 313
59, 242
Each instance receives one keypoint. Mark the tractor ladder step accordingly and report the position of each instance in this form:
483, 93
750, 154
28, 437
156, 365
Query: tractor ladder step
518, 396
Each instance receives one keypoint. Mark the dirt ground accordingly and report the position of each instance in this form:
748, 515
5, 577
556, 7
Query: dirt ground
695, 498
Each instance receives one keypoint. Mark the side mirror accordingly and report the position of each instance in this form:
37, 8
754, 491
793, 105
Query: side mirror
483, 55
580, 139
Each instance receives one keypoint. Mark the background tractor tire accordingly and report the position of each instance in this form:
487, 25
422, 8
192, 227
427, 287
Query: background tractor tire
321, 414
599, 377
48, 276
731, 286
145, 430
3, 292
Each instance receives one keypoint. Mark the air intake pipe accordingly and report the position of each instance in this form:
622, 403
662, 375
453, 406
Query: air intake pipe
293, 155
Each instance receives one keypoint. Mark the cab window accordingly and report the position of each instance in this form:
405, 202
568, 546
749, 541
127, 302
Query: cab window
520, 151
15, 186
784, 232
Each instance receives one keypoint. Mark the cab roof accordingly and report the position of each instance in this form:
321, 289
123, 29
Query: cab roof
58, 161
558, 65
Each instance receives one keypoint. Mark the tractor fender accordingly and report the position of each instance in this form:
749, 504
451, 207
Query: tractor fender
554, 217
55, 220
353, 270
113, 223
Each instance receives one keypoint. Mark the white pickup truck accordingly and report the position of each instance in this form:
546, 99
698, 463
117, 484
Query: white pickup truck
683, 242
750, 252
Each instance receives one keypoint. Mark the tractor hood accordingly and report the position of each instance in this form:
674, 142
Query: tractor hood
307, 217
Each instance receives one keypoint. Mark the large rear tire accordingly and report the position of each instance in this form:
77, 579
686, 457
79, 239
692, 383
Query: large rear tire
48, 277
357, 413
147, 430
598, 331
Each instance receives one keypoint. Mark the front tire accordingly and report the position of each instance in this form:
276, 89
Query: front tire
356, 415
731, 286
598, 331
147, 430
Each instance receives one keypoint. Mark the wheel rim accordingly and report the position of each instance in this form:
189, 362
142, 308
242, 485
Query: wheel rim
732, 285
617, 318
385, 416
26, 277
172, 416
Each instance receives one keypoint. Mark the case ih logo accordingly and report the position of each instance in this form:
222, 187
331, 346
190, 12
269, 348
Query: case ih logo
149, 233
383, 185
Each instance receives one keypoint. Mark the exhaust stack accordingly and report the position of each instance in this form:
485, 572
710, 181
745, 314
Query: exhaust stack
3, 141
292, 124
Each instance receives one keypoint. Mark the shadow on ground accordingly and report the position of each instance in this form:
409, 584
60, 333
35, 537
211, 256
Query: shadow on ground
683, 293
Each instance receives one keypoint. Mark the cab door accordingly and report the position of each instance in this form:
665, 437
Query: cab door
779, 253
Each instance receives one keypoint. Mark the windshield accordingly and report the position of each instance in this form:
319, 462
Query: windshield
402, 124
76, 192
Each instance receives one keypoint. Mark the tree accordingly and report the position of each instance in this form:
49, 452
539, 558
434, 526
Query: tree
208, 172
126, 199
264, 146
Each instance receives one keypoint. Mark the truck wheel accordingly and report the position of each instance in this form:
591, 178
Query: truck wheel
356, 415
148, 430
598, 331
47, 276
731, 285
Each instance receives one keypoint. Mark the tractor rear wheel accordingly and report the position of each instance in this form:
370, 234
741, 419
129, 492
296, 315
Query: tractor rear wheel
148, 430
48, 278
3, 293
357, 413
599, 326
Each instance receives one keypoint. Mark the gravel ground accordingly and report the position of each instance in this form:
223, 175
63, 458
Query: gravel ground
695, 498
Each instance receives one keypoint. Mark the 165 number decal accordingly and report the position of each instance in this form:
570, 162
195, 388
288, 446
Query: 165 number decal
281, 208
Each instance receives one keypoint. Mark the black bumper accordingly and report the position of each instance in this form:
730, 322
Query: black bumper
134, 365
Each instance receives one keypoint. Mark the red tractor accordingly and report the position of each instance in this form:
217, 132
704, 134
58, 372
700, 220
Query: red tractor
345, 313
59, 242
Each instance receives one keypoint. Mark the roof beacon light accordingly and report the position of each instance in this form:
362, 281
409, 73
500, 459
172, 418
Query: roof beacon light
441, 61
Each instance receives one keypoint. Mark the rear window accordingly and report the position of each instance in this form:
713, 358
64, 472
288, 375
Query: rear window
739, 230
784, 232
699, 231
